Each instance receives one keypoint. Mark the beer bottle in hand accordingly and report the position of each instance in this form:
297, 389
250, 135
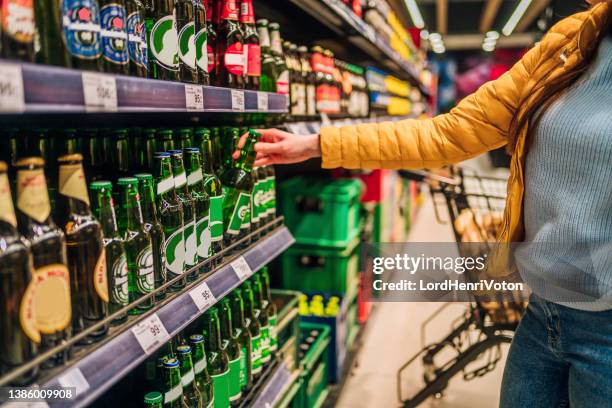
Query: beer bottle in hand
230, 47
50, 279
19, 336
116, 258
160, 24
81, 25
202, 378
241, 331
185, 25
251, 45
114, 36
137, 245
86, 259
17, 28
137, 38
201, 42
232, 348
191, 394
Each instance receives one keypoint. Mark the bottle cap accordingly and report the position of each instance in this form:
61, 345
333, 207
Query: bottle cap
202, 131
161, 154
70, 158
274, 26
164, 132
196, 338
101, 185
143, 176
30, 161
183, 349
262, 21
120, 132
171, 362
124, 181
192, 149
154, 397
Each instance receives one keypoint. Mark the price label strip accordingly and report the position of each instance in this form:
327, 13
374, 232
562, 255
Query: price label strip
100, 92
262, 102
194, 98
12, 98
202, 296
237, 100
242, 268
151, 333
74, 378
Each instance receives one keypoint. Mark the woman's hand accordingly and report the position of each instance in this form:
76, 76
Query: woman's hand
278, 147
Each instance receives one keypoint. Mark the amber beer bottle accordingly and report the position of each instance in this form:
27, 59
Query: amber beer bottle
49, 46
230, 47
49, 289
17, 346
17, 28
86, 259
252, 48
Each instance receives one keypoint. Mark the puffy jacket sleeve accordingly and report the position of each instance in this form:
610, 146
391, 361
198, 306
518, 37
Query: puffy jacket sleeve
480, 122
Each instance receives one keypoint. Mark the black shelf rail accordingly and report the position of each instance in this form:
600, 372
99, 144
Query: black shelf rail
94, 368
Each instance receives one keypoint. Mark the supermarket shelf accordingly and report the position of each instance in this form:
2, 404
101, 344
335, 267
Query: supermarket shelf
34, 88
309, 127
94, 371
273, 385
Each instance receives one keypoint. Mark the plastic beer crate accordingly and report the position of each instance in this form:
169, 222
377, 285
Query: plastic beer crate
288, 320
314, 368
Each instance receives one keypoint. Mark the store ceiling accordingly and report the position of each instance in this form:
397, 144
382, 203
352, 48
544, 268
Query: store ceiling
463, 22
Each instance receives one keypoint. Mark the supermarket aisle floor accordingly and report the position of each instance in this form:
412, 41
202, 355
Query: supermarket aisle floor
393, 336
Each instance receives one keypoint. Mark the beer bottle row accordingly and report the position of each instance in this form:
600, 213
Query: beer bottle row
95, 251
206, 42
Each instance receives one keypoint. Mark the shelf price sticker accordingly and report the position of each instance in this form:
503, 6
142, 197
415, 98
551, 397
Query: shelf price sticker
74, 378
202, 296
100, 92
12, 97
151, 333
262, 101
242, 268
194, 97
237, 100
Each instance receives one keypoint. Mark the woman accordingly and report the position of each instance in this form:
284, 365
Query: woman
553, 112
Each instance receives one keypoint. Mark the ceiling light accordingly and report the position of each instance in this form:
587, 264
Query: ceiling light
488, 47
492, 34
415, 13
424, 34
435, 37
516, 17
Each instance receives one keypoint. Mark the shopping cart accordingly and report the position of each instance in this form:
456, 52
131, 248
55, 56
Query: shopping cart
474, 204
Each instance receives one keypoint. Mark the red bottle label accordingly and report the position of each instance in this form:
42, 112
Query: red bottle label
229, 11
17, 18
234, 59
253, 60
211, 58
247, 15
318, 62
357, 8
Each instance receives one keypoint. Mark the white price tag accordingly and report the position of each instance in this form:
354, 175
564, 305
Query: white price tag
262, 101
150, 333
100, 92
242, 268
194, 97
11, 89
74, 378
202, 296
237, 100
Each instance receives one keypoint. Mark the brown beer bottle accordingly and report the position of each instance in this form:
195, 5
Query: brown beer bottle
86, 258
18, 345
50, 285
17, 28
230, 47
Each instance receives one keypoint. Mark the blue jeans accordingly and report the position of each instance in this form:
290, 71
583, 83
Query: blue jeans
559, 357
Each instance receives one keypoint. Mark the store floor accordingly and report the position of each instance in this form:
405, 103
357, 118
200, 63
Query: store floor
393, 335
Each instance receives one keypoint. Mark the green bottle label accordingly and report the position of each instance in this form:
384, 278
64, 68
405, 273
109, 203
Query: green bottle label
145, 281
272, 321
120, 288
239, 212
203, 234
216, 218
234, 380
265, 344
173, 394
201, 50
186, 42
256, 197
256, 354
191, 245
175, 252
164, 42
246, 218
243, 366
221, 389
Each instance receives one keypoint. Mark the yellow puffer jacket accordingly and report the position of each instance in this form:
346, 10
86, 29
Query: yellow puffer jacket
479, 123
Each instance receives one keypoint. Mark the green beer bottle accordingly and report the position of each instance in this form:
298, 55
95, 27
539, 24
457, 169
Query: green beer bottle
173, 385
154, 228
252, 314
218, 362
201, 42
258, 210
270, 200
69, 142
93, 154
241, 331
137, 245
216, 135
267, 80
271, 310
154, 399
232, 348
230, 138
276, 48
183, 139
213, 188
49, 45
116, 258
195, 183
149, 147
167, 140
237, 188
185, 25
202, 378
189, 213
191, 394
162, 47
170, 210
261, 304
119, 154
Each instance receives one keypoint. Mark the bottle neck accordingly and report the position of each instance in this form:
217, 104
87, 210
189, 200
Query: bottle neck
131, 205
275, 42
73, 189
237, 311
8, 221
247, 155
147, 203
206, 147
247, 15
264, 38
249, 307
213, 335
105, 213
180, 177
229, 11
164, 179
225, 319
122, 158
194, 175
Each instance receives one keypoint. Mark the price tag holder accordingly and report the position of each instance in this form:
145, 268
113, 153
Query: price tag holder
262, 101
100, 92
237, 100
12, 98
242, 268
202, 296
150, 333
74, 378
194, 98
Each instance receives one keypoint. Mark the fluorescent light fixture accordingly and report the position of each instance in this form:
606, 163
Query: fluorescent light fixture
424, 34
435, 37
488, 47
516, 17
415, 13
492, 34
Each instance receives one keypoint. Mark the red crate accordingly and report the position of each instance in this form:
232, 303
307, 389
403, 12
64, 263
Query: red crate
377, 183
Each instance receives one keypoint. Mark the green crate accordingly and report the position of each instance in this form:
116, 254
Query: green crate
352, 324
288, 325
314, 368
321, 212
316, 269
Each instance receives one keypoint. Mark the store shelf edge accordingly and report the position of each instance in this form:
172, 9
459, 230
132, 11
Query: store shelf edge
110, 362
